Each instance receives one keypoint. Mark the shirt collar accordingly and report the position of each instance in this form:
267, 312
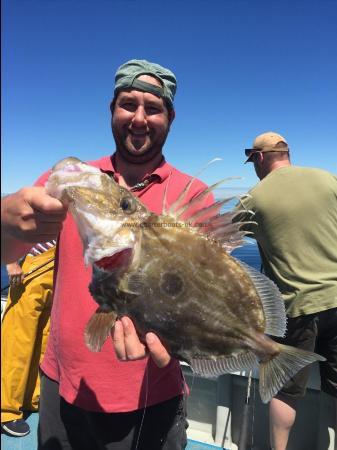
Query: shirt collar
162, 172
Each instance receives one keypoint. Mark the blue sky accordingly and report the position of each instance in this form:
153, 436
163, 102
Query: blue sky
243, 67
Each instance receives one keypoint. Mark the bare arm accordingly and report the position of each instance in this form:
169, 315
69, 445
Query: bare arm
27, 217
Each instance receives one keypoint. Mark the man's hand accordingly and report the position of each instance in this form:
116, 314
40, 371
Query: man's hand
29, 216
129, 348
15, 274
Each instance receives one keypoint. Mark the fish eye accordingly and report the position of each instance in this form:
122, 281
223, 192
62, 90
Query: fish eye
127, 205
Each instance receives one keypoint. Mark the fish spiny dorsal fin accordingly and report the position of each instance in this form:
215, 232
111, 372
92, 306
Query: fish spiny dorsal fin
208, 220
182, 196
272, 301
189, 209
226, 219
207, 211
164, 207
228, 233
221, 227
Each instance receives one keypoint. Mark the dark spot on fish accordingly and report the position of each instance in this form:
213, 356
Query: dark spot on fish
172, 284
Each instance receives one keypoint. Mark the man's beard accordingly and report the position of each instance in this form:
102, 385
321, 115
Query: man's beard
150, 153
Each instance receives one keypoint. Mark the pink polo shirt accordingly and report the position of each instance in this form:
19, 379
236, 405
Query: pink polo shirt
99, 381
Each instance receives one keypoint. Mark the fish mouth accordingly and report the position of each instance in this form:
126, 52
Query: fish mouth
117, 261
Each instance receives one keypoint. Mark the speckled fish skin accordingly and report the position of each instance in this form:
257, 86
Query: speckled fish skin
207, 308
186, 289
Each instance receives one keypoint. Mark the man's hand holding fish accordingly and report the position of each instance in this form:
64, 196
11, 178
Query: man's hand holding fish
128, 347
29, 216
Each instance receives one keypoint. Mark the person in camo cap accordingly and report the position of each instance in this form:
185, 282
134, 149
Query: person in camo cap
120, 398
295, 225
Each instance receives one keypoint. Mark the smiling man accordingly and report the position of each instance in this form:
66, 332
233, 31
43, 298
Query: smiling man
119, 398
141, 120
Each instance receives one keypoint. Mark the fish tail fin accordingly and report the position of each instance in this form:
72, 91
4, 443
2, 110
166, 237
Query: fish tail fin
277, 371
98, 328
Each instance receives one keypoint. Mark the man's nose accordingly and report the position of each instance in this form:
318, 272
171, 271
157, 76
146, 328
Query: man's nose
139, 118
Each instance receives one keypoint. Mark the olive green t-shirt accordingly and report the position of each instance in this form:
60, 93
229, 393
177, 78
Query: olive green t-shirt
296, 215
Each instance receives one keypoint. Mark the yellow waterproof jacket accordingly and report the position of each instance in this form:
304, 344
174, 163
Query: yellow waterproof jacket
24, 334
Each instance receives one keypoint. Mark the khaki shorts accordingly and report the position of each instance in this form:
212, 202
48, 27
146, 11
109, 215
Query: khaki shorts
314, 332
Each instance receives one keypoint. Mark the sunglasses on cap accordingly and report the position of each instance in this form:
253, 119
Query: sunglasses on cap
251, 151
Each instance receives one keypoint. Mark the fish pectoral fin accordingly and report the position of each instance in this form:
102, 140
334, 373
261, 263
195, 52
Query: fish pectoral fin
219, 366
98, 329
134, 285
129, 292
277, 371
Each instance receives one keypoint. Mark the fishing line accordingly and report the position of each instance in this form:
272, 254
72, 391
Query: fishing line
192, 383
253, 410
146, 374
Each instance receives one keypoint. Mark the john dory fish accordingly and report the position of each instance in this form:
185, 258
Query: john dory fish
178, 281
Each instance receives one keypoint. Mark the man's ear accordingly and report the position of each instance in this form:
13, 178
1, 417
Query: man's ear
171, 116
259, 157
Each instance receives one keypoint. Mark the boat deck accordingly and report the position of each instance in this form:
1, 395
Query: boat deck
28, 442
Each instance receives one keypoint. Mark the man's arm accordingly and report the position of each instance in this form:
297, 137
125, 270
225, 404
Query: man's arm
28, 216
